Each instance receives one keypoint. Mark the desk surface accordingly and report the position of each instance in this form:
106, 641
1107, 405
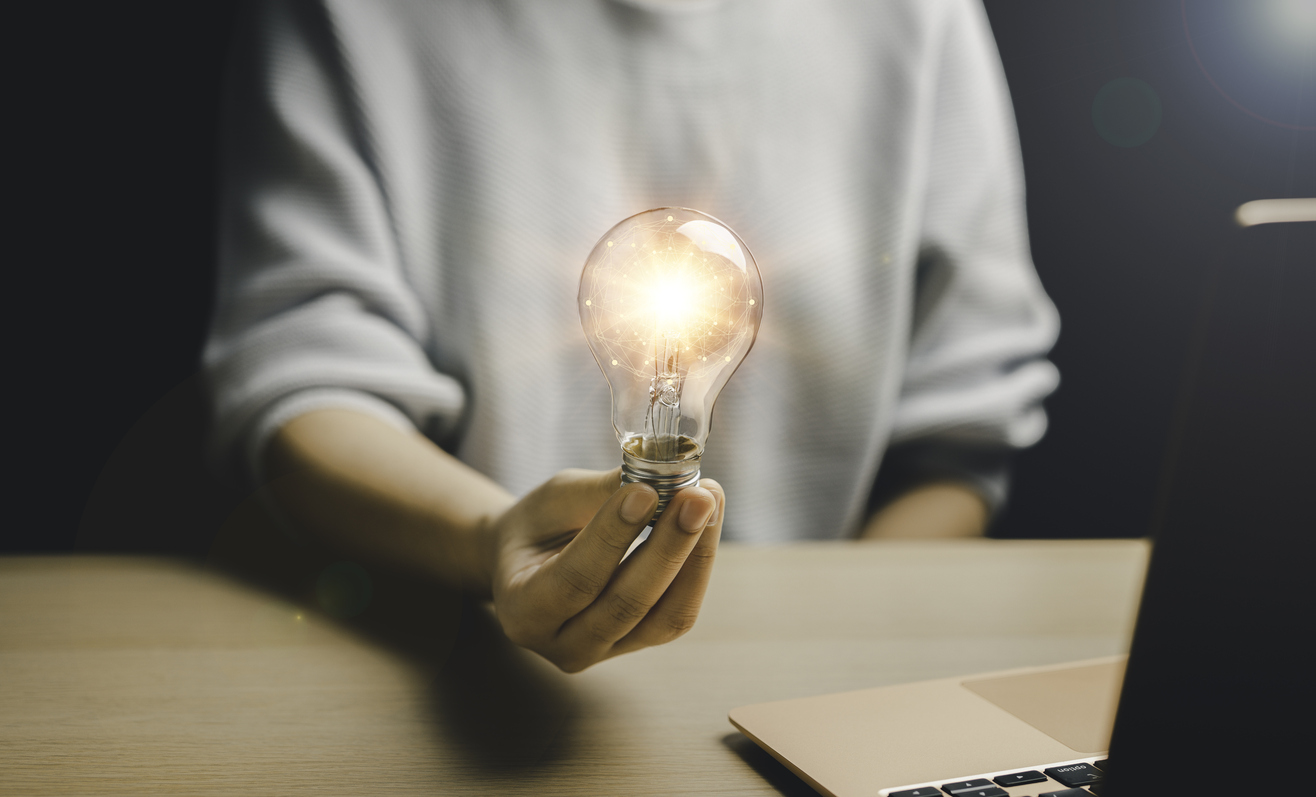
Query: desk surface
145, 676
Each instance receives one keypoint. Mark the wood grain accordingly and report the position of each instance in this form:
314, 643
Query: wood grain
156, 676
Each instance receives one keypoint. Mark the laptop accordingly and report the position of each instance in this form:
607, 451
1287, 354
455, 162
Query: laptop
1216, 695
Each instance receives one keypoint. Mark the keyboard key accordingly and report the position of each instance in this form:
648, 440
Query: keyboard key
1020, 778
1075, 774
985, 791
1102, 765
921, 791
1065, 793
961, 786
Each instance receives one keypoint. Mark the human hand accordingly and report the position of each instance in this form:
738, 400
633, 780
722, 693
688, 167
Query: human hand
560, 586
939, 510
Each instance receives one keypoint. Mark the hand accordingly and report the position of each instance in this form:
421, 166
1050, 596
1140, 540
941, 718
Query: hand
940, 510
559, 584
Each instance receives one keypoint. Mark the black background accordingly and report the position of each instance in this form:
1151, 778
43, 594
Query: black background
113, 121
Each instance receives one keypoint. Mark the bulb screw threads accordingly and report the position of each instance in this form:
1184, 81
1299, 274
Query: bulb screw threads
668, 478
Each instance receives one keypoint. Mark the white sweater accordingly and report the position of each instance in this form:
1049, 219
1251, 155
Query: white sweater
411, 188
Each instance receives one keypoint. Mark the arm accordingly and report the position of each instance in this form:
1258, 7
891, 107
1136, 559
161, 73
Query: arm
320, 374
976, 371
937, 510
338, 472
552, 561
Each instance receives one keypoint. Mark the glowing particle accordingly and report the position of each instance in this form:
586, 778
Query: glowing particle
728, 359
614, 362
609, 243
588, 303
751, 302
669, 218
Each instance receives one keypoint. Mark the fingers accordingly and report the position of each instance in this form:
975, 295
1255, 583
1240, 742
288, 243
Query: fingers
583, 604
640, 584
574, 578
567, 501
678, 608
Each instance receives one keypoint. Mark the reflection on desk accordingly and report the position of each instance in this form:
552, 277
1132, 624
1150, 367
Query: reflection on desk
141, 676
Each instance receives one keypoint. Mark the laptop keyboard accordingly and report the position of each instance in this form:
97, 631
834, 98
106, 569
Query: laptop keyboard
1066, 779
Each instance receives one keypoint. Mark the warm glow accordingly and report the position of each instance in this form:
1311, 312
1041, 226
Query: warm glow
670, 297
670, 301
673, 300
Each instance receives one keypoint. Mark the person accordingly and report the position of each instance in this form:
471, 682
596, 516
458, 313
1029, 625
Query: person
410, 190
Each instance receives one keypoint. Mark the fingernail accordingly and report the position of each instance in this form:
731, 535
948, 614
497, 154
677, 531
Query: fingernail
637, 506
695, 514
719, 506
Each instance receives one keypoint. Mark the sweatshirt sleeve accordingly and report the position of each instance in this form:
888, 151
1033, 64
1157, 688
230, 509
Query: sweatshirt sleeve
313, 305
976, 372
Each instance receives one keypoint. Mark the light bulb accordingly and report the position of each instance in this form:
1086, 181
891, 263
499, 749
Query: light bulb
670, 300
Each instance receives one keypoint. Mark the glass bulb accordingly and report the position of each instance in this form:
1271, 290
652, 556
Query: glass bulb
670, 300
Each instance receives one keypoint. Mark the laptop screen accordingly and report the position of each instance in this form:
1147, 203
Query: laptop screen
1219, 692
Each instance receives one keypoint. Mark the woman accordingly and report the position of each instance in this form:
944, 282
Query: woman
411, 189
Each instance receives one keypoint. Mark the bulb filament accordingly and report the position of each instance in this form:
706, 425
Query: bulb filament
664, 419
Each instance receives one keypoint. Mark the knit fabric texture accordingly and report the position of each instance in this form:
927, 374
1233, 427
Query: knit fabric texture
411, 189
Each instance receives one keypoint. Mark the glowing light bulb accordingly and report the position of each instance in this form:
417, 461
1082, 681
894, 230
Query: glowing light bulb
670, 300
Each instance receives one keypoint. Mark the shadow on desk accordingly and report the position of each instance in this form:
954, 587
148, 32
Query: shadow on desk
500, 705
768, 768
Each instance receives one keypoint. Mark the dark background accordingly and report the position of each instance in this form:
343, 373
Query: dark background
113, 163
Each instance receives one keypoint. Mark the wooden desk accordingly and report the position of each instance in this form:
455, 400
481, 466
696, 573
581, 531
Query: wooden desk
157, 676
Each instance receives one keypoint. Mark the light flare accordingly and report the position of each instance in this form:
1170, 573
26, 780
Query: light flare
675, 301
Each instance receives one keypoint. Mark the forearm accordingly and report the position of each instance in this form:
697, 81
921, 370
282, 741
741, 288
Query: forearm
371, 490
936, 510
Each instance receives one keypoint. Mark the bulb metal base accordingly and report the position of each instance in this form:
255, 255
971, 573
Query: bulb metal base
668, 478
